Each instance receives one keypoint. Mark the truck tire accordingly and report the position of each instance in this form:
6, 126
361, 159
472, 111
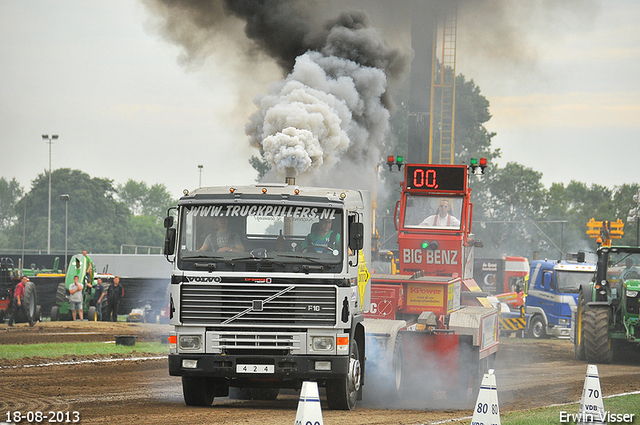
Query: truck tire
470, 372
198, 391
595, 327
578, 336
342, 393
91, 315
398, 366
55, 313
537, 328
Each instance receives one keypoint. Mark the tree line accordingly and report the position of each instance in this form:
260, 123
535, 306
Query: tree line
99, 216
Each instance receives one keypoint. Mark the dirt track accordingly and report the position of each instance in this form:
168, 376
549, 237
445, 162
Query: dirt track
529, 374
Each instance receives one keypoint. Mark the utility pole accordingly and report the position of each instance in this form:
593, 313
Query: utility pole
50, 141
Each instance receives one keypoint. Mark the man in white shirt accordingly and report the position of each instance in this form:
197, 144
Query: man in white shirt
443, 218
75, 298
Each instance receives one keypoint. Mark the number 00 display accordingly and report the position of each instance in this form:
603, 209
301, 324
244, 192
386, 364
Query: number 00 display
436, 178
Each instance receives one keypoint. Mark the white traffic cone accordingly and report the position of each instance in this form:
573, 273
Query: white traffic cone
309, 411
486, 410
591, 407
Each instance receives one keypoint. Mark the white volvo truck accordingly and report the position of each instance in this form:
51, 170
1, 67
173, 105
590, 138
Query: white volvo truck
256, 305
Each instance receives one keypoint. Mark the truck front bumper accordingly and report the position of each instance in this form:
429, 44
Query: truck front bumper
560, 331
279, 367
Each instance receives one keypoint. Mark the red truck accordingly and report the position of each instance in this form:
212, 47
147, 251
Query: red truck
430, 327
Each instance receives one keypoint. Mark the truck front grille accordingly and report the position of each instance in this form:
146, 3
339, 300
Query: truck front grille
258, 305
251, 343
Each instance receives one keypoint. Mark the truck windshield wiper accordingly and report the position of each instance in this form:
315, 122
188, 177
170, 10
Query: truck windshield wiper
306, 257
198, 257
259, 260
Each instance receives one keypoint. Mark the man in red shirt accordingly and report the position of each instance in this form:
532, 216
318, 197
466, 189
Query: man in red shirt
18, 302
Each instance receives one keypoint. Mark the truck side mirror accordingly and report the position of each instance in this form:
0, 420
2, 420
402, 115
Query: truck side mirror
548, 281
170, 240
356, 236
168, 221
581, 256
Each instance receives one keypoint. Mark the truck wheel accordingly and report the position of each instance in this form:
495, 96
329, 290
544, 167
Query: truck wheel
595, 327
55, 313
578, 336
537, 328
342, 393
398, 366
92, 316
198, 391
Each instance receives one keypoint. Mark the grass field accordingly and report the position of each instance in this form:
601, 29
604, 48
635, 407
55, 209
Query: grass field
57, 350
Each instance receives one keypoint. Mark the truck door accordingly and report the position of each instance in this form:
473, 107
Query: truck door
541, 296
550, 305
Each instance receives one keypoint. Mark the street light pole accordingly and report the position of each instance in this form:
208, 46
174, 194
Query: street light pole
65, 198
50, 141
200, 170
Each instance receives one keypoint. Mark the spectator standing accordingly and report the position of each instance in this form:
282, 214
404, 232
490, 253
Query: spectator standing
18, 302
75, 299
115, 292
98, 296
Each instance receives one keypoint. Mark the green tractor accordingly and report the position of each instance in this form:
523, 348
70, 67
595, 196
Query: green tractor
81, 266
606, 324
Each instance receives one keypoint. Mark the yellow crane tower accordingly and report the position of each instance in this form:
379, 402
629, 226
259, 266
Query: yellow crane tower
431, 120
443, 84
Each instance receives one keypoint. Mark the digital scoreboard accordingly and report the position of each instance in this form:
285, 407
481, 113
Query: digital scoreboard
436, 178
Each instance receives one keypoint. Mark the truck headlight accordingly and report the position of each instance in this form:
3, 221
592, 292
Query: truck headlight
632, 294
563, 321
322, 343
190, 342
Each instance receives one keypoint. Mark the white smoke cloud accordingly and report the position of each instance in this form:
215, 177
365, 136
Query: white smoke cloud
326, 111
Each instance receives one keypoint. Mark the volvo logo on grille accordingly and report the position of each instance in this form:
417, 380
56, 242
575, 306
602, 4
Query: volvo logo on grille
257, 305
216, 279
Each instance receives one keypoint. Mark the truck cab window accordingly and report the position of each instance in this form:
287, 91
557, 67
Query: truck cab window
230, 234
433, 212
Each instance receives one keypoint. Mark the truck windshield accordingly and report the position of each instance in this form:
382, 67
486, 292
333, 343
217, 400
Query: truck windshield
569, 281
260, 237
623, 266
432, 212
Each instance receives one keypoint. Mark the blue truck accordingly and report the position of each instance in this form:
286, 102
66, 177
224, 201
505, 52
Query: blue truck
552, 291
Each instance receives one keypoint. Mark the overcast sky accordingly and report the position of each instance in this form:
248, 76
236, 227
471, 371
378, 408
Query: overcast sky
125, 106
